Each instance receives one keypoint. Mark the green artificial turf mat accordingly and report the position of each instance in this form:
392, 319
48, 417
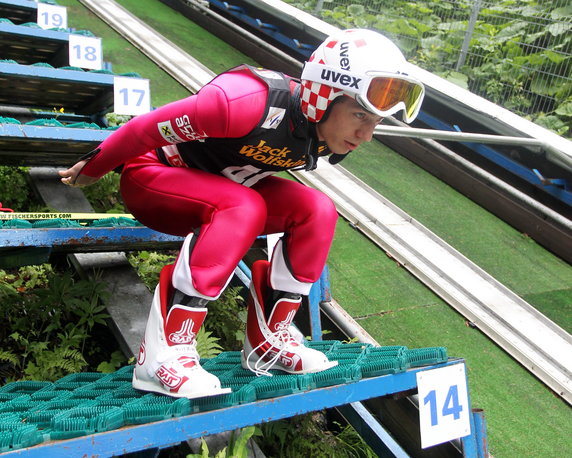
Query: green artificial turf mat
364, 280
556, 305
512, 258
211, 51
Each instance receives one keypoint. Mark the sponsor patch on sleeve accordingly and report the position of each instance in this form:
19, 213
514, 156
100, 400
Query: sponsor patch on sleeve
167, 132
274, 118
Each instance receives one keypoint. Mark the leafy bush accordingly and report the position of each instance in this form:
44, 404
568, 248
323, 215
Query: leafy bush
308, 435
14, 190
104, 195
48, 319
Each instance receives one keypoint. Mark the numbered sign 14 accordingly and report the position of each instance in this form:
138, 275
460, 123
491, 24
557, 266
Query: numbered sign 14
85, 52
131, 95
443, 404
52, 16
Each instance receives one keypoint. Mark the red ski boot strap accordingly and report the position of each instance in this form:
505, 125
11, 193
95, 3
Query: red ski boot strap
165, 288
260, 271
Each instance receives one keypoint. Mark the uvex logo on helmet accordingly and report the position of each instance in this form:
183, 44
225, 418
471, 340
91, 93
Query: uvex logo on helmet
340, 78
344, 59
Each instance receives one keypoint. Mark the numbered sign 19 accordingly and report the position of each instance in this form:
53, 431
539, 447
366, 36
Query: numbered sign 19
131, 96
443, 404
52, 16
85, 52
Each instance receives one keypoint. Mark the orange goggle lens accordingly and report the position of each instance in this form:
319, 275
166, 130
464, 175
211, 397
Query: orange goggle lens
386, 92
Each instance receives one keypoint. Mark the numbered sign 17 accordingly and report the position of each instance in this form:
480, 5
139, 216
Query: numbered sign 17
443, 404
52, 16
131, 95
85, 52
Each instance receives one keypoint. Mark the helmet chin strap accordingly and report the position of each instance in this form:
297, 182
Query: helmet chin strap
336, 158
311, 156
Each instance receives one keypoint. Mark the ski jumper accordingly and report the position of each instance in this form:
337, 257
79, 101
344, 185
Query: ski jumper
203, 168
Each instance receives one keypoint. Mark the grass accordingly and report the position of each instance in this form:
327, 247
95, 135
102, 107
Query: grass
524, 418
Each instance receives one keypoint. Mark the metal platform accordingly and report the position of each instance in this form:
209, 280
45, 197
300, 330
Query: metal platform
89, 239
101, 415
28, 45
49, 88
30, 145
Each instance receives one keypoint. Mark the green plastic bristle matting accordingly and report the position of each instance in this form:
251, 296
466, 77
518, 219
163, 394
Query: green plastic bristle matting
381, 366
239, 395
275, 386
8, 396
54, 223
238, 375
25, 387
42, 415
121, 221
90, 402
25, 436
393, 350
425, 356
50, 394
347, 354
227, 357
4, 120
322, 345
220, 366
86, 420
337, 375
5, 440
155, 408
82, 378
16, 224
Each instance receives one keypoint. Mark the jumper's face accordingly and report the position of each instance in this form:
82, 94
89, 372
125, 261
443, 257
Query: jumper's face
347, 126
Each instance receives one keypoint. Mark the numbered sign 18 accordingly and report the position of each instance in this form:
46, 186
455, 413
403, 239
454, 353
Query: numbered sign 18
131, 95
443, 404
52, 16
85, 52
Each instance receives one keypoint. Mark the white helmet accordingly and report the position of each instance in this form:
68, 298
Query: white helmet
364, 65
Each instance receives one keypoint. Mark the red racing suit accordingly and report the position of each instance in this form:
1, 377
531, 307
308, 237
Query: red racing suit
204, 165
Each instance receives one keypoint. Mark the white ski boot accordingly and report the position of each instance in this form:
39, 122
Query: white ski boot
270, 345
168, 361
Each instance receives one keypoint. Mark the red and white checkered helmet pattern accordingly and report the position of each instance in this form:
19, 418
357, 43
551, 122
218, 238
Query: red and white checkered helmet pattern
357, 51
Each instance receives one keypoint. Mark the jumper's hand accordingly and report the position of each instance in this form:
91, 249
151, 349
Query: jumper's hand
73, 177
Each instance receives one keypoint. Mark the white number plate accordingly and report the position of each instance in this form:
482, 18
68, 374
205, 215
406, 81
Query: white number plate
443, 404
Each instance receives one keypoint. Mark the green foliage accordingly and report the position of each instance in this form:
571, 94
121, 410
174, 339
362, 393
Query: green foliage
48, 318
207, 344
308, 435
237, 447
149, 264
104, 194
14, 190
227, 318
116, 361
115, 120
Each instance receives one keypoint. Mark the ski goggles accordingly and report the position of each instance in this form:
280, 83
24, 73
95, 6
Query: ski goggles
381, 93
